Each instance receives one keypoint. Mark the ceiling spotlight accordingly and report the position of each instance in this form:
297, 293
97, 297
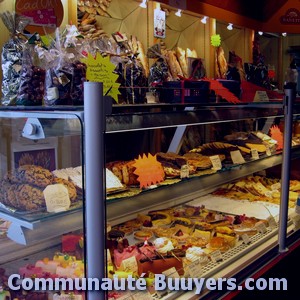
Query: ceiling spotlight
144, 4
203, 20
260, 33
178, 13
284, 34
230, 26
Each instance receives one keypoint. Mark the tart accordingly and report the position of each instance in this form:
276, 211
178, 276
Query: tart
143, 234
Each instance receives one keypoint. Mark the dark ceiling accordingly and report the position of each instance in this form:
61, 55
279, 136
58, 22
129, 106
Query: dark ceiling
260, 10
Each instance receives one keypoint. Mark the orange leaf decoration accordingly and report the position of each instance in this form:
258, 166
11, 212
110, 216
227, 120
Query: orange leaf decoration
276, 134
220, 90
149, 170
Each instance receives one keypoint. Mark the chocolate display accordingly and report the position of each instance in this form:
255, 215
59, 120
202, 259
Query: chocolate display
12, 53
133, 81
32, 80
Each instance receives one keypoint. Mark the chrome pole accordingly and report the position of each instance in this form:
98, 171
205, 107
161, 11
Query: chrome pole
285, 168
95, 211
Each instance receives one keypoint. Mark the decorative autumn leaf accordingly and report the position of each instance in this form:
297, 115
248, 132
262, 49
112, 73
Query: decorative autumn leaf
221, 91
215, 40
100, 69
277, 135
149, 170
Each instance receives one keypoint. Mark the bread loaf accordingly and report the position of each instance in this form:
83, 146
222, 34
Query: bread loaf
173, 64
180, 53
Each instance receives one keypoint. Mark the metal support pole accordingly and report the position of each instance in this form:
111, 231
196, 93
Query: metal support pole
95, 210
285, 169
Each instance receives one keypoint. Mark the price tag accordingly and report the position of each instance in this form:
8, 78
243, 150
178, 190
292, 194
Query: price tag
268, 151
57, 198
195, 269
296, 221
237, 157
216, 162
184, 171
272, 222
261, 96
142, 295
172, 273
261, 227
246, 239
254, 154
216, 256
129, 265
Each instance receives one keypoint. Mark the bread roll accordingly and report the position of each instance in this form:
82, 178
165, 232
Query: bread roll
221, 63
173, 64
180, 53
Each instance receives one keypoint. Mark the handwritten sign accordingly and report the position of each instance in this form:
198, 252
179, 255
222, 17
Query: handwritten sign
44, 15
100, 69
261, 96
57, 198
237, 157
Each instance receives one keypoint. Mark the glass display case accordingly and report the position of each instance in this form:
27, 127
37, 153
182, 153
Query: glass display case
55, 140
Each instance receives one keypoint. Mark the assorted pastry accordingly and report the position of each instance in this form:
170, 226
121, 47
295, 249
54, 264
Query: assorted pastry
258, 188
173, 238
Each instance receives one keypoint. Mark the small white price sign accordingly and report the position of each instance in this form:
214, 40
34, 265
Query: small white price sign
254, 154
272, 222
261, 227
184, 171
195, 269
216, 256
172, 273
246, 239
57, 198
216, 162
268, 151
237, 157
129, 264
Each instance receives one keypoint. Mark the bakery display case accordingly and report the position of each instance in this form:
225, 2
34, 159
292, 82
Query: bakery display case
56, 140
34, 145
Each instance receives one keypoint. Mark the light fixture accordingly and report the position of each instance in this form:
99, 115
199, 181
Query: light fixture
284, 34
230, 26
144, 4
204, 20
260, 33
178, 13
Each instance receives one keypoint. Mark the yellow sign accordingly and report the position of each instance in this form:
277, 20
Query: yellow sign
100, 69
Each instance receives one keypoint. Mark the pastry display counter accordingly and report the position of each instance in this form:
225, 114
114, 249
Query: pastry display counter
151, 121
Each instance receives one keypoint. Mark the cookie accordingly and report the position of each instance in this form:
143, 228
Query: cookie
29, 198
11, 177
34, 175
23, 197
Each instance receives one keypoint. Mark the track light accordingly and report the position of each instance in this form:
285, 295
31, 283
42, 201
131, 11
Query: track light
284, 34
144, 4
178, 13
204, 20
260, 33
230, 26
